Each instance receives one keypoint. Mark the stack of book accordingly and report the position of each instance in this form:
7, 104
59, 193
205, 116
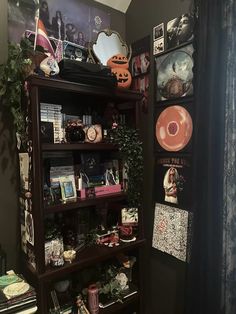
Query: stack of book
16, 295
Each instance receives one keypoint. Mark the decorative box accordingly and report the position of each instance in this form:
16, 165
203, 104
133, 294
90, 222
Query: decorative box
74, 52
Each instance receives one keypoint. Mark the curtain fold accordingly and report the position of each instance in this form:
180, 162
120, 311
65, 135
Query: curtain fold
205, 270
229, 210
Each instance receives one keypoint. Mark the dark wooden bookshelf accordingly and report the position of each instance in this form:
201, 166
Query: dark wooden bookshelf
72, 96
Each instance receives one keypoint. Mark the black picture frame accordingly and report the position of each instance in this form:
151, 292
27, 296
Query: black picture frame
174, 73
176, 192
174, 127
179, 30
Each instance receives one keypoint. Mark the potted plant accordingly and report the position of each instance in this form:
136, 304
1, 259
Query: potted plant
12, 77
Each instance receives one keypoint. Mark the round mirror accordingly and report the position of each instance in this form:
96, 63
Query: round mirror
108, 44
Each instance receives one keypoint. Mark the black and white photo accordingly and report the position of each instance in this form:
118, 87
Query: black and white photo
158, 31
180, 30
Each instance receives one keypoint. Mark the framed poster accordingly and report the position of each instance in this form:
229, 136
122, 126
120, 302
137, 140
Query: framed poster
173, 128
173, 180
174, 74
140, 68
180, 30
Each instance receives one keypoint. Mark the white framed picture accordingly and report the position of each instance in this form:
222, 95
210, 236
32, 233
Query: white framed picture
158, 31
158, 46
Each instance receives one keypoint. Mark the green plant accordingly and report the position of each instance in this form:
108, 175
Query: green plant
12, 77
130, 147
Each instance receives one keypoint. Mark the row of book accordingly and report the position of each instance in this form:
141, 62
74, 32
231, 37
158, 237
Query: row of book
16, 295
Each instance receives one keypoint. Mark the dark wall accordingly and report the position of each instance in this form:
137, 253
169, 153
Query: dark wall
9, 222
165, 275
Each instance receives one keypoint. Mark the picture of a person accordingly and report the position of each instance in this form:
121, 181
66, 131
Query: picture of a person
58, 26
44, 14
170, 185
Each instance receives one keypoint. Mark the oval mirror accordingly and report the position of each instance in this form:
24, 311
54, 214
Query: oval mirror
108, 44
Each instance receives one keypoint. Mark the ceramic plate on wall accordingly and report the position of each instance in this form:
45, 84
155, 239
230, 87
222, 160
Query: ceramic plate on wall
174, 128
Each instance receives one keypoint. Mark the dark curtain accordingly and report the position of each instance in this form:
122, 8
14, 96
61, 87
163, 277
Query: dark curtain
205, 275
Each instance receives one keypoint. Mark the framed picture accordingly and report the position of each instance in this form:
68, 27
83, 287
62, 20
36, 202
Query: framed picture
173, 128
68, 189
158, 46
158, 31
29, 228
174, 74
180, 30
140, 64
173, 180
172, 231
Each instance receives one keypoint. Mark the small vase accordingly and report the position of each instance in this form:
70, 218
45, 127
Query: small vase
93, 299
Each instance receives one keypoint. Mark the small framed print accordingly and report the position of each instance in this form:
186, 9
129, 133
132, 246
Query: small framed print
140, 64
158, 31
29, 228
68, 189
129, 216
158, 46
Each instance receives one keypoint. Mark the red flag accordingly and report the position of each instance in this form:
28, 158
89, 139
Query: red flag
41, 38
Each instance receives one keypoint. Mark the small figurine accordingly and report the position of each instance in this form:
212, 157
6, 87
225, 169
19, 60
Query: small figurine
80, 305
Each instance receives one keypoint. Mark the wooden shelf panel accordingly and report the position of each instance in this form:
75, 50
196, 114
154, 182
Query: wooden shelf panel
80, 203
87, 257
92, 90
119, 306
78, 146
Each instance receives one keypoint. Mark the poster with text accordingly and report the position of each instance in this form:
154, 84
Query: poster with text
173, 180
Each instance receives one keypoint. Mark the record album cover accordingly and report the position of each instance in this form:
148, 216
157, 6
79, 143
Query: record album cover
174, 74
171, 231
173, 180
174, 128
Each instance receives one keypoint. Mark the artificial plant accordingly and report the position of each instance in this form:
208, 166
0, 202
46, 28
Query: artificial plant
12, 76
130, 147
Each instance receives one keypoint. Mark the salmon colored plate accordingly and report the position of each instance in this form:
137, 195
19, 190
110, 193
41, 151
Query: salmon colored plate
174, 128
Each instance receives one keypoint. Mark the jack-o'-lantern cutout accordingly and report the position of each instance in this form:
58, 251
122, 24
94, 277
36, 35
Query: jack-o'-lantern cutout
123, 77
118, 61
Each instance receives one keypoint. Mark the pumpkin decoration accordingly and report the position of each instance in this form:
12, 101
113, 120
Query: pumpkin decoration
119, 65
123, 77
118, 61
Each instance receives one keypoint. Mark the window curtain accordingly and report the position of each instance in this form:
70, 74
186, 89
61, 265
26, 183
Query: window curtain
212, 270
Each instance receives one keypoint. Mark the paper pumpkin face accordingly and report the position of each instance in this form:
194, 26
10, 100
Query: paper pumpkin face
123, 77
118, 61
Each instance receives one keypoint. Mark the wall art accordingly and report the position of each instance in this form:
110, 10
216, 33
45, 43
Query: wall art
180, 30
174, 74
173, 128
171, 231
173, 180
69, 20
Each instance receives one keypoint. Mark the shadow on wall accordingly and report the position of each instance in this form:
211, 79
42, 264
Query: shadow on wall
9, 224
